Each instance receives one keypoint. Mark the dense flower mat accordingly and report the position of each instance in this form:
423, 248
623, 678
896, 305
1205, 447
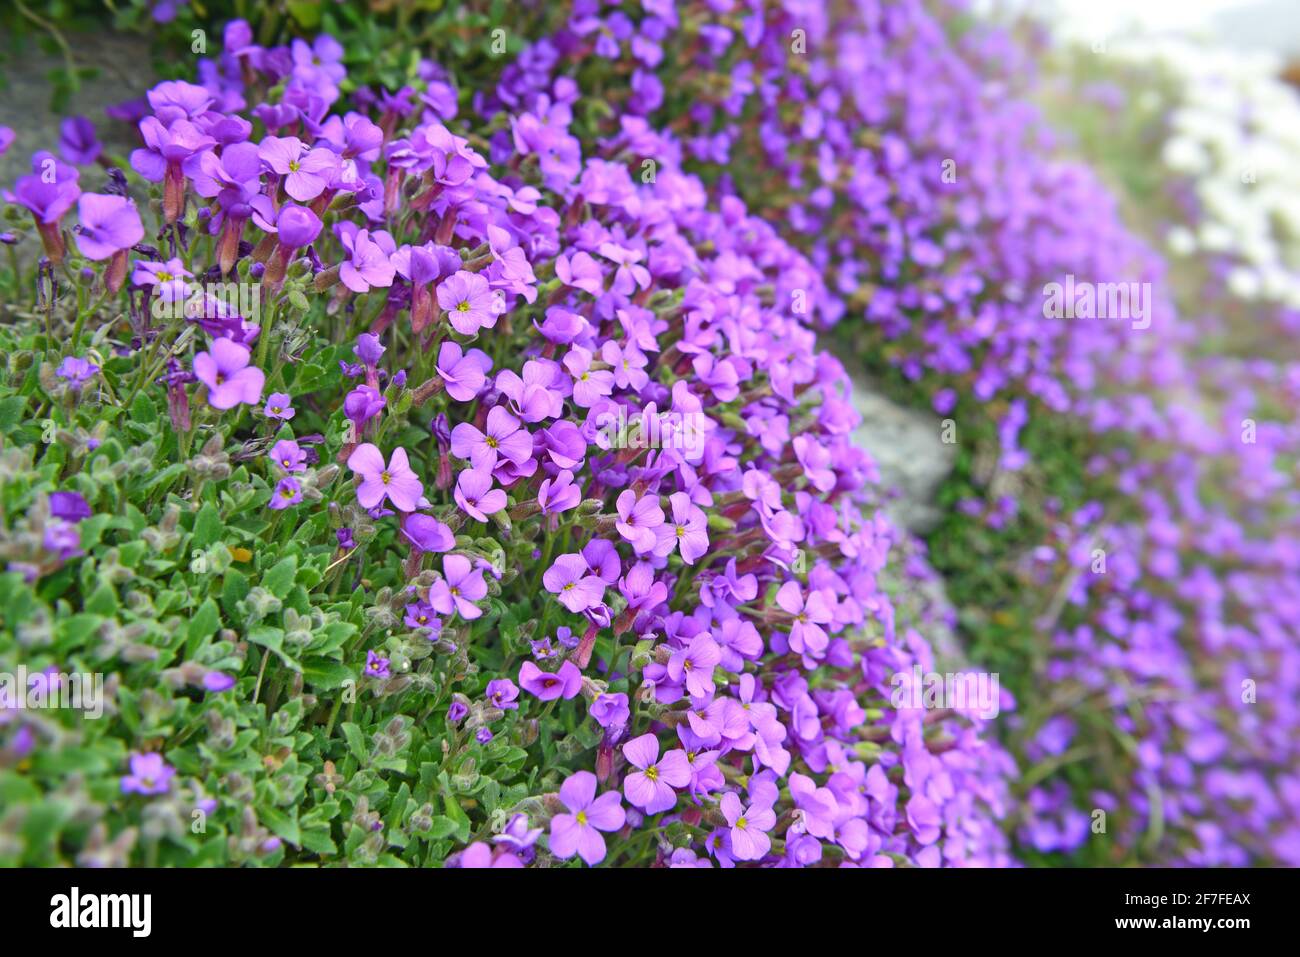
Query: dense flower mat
507, 513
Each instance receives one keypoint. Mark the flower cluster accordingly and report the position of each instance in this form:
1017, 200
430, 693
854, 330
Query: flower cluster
884, 140
472, 616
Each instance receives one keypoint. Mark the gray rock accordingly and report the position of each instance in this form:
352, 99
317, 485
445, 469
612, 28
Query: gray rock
909, 451
125, 72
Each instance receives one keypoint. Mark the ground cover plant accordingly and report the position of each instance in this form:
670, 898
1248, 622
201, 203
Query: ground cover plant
493, 501
432, 490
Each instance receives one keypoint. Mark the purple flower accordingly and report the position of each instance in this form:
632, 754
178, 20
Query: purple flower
216, 681
49, 191
570, 580
228, 376
376, 666
369, 349
817, 806
468, 301
687, 530
306, 172
502, 692
806, 633
174, 100
420, 614
694, 664
109, 224
559, 494
532, 397
76, 372
7, 137
395, 481
460, 586
289, 456
427, 533
749, 827
581, 272
478, 855
279, 405
295, 226
504, 437
167, 279
288, 491
589, 385
610, 709
362, 404
638, 519
651, 787
344, 537
77, 140
62, 538
547, 686
465, 373
475, 494
517, 834
578, 832
323, 59
70, 506
368, 261
149, 775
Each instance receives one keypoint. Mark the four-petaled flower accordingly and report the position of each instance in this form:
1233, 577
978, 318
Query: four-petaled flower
395, 481
578, 832
229, 378
651, 787
749, 827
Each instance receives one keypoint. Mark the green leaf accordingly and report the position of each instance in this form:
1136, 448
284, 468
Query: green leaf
273, 638
143, 410
325, 675
356, 741
305, 12
279, 579
233, 591
207, 526
442, 827
11, 412
282, 825
203, 626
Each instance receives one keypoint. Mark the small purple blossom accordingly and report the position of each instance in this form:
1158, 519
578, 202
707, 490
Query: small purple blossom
279, 405
149, 775
578, 832
376, 665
